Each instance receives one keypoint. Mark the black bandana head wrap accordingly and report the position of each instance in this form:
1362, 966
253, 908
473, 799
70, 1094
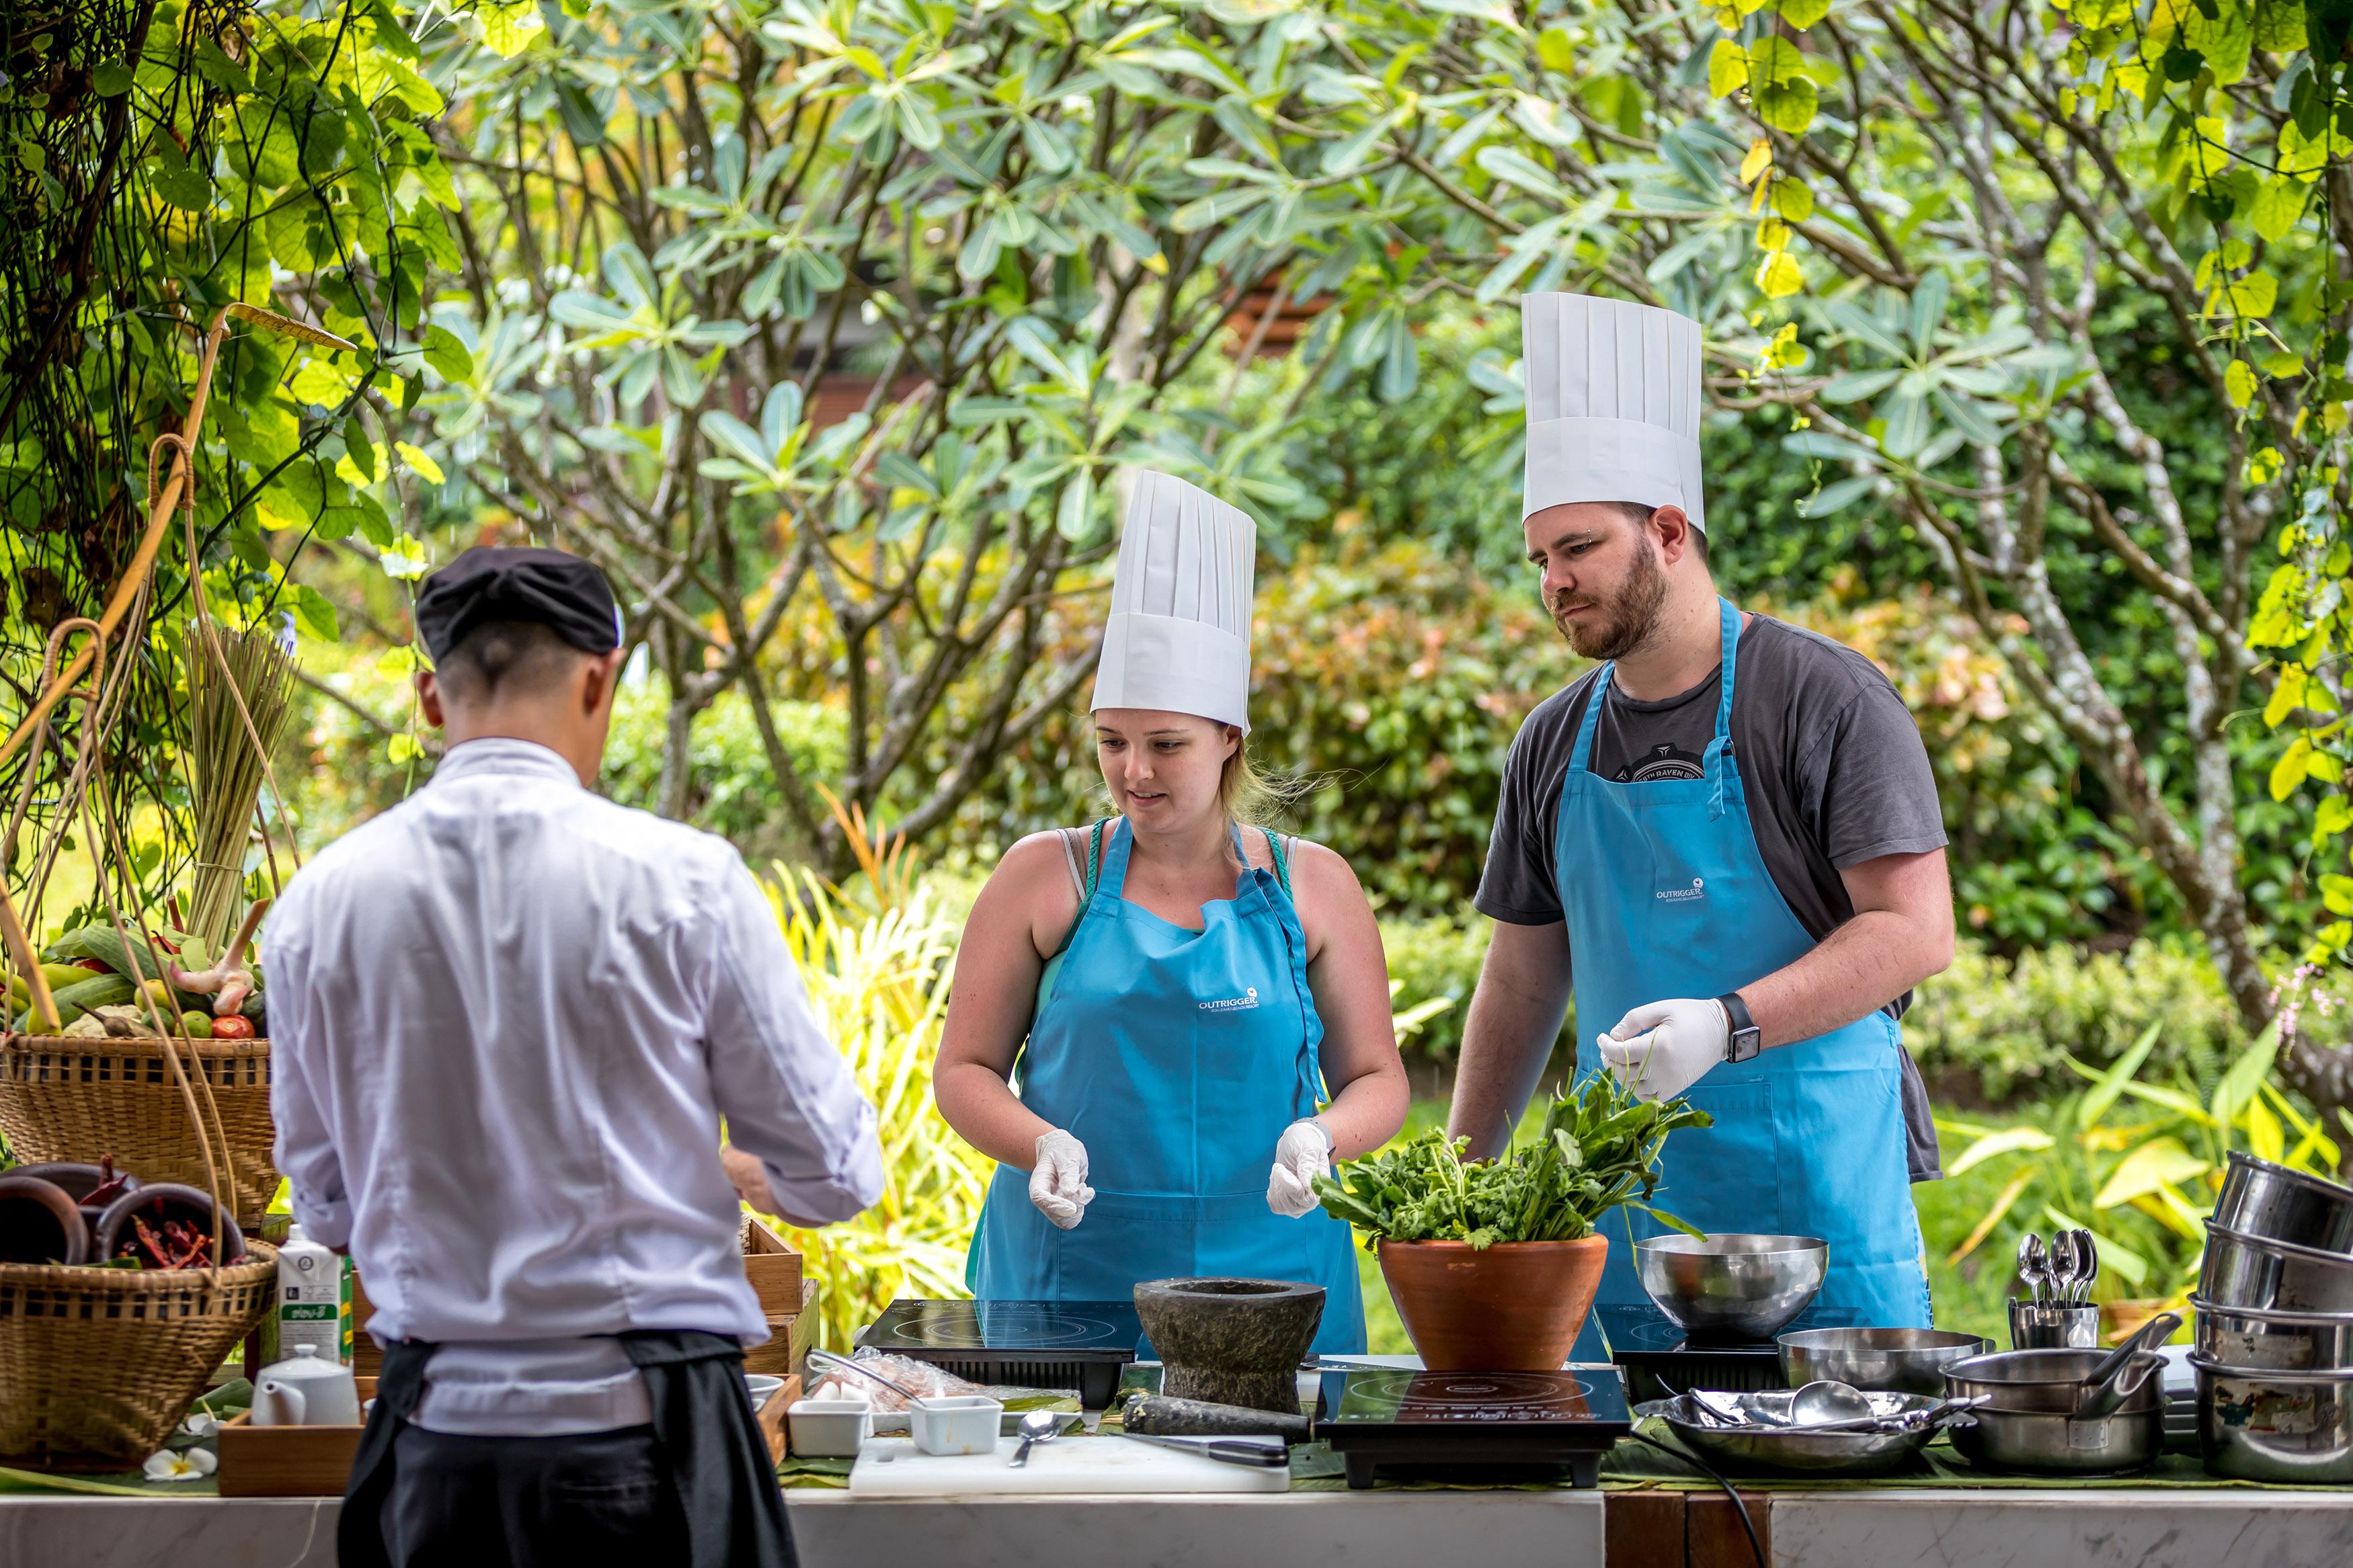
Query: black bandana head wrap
551, 587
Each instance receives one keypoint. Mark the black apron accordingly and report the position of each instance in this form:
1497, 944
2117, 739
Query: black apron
718, 1461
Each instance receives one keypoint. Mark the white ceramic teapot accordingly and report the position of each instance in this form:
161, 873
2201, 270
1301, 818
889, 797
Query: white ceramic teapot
306, 1390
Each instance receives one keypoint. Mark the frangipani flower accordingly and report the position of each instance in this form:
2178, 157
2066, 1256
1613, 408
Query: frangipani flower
193, 1465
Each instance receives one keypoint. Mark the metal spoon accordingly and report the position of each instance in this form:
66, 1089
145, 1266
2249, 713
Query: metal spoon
2087, 1265
2063, 1267
1037, 1426
2034, 1265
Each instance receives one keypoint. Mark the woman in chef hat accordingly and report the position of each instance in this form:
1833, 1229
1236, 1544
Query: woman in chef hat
1181, 992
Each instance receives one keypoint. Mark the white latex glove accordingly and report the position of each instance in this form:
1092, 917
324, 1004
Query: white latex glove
1057, 1181
1301, 1154
1662, 1048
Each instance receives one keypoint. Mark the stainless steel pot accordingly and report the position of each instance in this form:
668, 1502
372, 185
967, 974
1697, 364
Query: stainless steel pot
2244, 1270
2259, 1425
2029, 1423
2253, 1338
1905, 1361
2276, 1203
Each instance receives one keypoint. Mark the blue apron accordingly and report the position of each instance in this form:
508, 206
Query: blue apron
1667, 895
1177, 1057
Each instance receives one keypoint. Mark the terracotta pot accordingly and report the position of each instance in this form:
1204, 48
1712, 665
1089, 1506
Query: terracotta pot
1516, 1306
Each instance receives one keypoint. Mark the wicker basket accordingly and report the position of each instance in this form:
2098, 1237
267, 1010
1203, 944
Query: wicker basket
98, 1365
68, 1097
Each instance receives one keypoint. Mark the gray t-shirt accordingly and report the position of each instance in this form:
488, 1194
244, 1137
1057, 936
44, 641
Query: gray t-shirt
1831, 762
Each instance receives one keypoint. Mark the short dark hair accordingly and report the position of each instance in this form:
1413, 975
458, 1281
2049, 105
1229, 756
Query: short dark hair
1640, 515
506, 659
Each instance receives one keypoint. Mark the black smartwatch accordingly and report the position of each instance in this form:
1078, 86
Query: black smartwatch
1746, 1040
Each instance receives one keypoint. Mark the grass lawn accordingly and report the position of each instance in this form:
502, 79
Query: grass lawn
1970, 1297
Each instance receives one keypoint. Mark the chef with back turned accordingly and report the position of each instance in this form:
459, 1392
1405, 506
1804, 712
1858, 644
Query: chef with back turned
510, 1016
1725, 841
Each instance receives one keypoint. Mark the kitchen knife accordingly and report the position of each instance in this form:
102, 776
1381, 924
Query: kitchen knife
1263, 1452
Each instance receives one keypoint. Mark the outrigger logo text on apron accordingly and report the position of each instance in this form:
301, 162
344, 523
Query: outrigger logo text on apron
1241, 1003
1698, 889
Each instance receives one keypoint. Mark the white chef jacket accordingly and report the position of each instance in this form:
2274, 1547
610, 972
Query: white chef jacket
507, 1016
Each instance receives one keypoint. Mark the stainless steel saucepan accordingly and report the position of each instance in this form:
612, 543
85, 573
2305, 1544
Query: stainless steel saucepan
2030, 1421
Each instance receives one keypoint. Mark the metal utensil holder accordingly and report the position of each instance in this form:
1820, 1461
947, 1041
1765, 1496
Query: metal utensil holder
2048, 1326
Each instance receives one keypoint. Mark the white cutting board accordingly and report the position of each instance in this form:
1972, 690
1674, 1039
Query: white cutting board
892, 1467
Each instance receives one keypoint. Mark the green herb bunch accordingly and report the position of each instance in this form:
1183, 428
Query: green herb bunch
1598, 1149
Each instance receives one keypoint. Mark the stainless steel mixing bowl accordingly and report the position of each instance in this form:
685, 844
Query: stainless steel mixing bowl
2272, 1425
1907, 1361
2244, 1270
2261, 1199
1732, 1287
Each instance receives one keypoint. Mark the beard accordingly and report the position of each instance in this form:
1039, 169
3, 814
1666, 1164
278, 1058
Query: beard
1627, 618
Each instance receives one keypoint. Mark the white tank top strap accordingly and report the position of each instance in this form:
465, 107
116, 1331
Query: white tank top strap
1071, 859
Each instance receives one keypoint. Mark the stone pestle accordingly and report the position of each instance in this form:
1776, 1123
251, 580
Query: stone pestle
1157, 1416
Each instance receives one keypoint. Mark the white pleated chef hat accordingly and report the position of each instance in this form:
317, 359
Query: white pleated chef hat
1613, 398
1179, 634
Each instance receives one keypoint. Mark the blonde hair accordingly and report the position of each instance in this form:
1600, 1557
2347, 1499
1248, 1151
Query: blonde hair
1255, 799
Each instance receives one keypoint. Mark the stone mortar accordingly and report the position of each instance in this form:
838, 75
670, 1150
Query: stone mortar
1231, 1341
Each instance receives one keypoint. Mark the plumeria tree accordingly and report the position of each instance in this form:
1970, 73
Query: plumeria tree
830, 330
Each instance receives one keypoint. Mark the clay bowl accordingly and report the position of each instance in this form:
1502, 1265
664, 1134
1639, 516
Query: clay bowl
80, 1181
1514, 1307
40, 1222
157, 1203
1231, 1341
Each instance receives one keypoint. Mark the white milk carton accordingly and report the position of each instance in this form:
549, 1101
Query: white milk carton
314, 1299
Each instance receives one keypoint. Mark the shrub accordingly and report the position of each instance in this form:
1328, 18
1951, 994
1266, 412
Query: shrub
2011, 1021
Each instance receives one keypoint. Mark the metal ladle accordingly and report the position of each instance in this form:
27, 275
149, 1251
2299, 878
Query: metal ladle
1827, 1400
2116, 1379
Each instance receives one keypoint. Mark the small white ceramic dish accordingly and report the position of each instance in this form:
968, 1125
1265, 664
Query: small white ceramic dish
762, 1387
828, 1429
956, 1424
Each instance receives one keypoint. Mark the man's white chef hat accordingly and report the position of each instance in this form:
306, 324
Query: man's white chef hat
1613, 398
1179, 634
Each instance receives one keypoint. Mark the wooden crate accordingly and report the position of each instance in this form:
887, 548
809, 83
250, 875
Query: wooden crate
772, 1268
771, 1417
791, 1337
287, 1461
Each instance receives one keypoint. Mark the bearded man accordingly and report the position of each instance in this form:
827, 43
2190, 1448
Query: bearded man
1725, 839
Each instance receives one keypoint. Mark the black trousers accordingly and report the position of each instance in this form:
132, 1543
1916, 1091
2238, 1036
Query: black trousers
694, 1488
532, 1502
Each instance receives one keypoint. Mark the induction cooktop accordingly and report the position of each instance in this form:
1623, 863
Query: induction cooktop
1493, 1425
1077, 1345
